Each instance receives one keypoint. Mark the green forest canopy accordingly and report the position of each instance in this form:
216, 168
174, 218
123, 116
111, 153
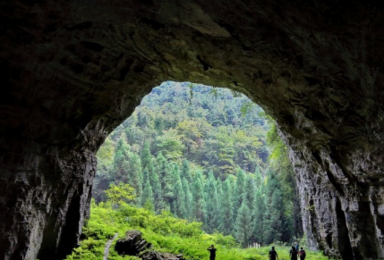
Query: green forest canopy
205, 154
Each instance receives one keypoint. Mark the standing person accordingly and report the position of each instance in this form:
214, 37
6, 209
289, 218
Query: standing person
212, 251
293, 253
297, 246
302, 254
273, 254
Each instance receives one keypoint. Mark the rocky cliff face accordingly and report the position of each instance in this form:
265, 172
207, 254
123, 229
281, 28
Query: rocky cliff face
73, 70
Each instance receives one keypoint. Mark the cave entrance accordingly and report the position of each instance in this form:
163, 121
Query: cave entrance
69, 70
204, 154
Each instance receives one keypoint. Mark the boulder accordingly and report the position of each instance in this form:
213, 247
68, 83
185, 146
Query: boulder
132, 244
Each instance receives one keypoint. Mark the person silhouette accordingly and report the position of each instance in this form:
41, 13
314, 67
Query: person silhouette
273, 254
296, 245
302, 254
293, 253
212, 251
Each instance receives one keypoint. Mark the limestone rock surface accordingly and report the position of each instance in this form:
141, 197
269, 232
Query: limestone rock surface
134, 245
71, 71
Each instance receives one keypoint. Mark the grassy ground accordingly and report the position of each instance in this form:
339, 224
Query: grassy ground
167, 234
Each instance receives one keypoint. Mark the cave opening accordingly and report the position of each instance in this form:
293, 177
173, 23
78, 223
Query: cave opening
205, 154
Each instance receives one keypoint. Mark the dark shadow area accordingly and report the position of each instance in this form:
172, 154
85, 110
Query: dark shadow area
344, 243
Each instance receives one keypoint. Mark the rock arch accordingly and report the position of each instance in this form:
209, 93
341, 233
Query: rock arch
73, 70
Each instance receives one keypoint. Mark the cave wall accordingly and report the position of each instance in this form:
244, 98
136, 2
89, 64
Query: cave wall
74, 70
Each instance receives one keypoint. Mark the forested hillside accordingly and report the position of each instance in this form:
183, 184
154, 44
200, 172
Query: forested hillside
208, 155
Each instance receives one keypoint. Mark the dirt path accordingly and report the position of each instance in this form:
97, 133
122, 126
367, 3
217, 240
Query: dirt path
107, 246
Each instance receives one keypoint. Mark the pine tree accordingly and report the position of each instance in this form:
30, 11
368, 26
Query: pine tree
225, 212
199, 202
145, 177
162, 168
147, 195
258, 218
135, 173
156, 187
188, 199
219, 188
170, 178
243, 224
239, 190
250, 192
258, 178
211, 223
145, 155
121, 162
287, 223
275, 212
178, 207
185, 171
150, 171
127, 167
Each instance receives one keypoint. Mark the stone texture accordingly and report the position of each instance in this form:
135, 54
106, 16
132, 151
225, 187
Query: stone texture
71, 71
134, 245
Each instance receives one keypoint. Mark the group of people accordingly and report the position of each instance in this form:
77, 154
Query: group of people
293, 253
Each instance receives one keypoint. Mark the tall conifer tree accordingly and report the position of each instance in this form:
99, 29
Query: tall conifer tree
259, 179
258, 218
135, 173
161, 168
145, 155
250, 192
145, 176
225, 212
156, 187
275, 212
163, 171
219, 187
121, 162
171, 176
188, 199
239, 191
185, 171
211, 223
147, 196
178, 207
199, 201
150, 171
243, 224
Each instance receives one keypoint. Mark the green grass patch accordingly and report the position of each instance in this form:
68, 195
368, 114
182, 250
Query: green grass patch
166, 233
